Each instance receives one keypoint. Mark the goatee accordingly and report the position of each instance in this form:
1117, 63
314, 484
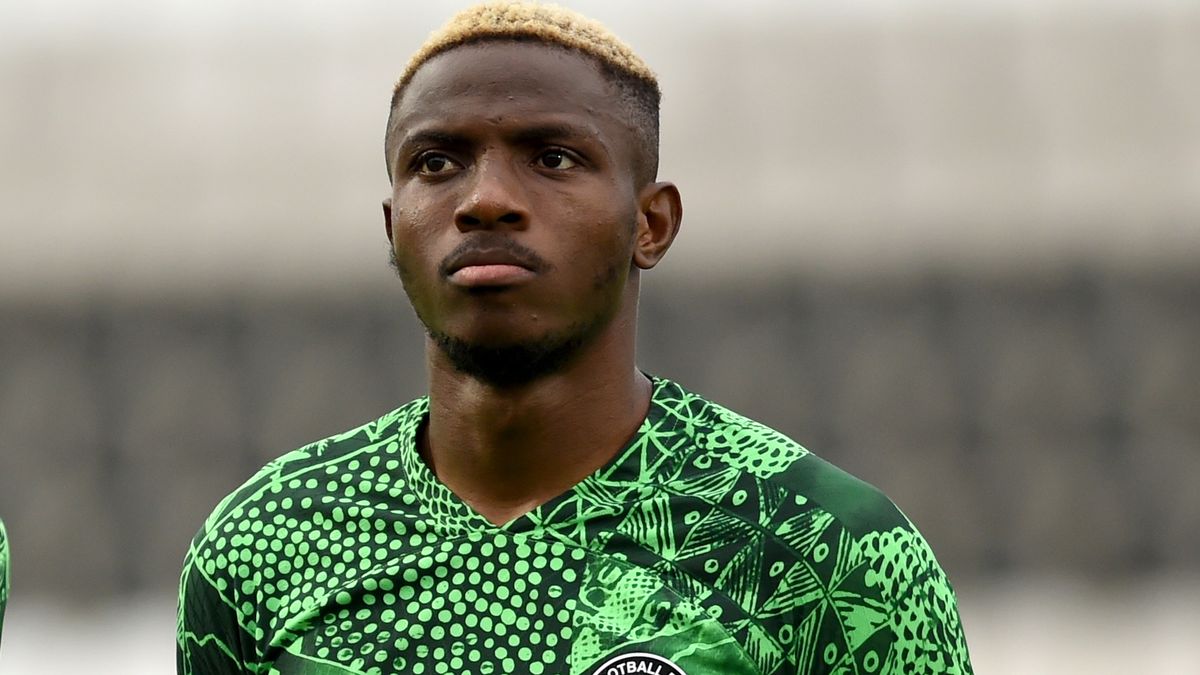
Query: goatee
516, 364
512, 365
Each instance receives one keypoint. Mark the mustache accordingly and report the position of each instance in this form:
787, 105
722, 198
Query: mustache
491, 242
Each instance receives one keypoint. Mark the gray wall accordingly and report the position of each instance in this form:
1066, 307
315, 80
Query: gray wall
950, 246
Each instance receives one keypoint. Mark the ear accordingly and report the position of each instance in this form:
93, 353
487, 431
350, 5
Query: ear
387, 217
660, 213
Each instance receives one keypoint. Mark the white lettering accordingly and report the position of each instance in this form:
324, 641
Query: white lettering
641, 662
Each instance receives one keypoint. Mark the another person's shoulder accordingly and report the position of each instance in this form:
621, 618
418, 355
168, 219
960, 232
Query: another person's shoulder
3, 573
3, 563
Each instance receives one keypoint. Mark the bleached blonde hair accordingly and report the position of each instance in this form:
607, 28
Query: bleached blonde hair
635, 84
538, 22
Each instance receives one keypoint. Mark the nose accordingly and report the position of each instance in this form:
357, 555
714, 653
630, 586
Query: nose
495, 198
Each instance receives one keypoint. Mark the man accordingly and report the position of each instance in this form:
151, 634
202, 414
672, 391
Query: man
548, 508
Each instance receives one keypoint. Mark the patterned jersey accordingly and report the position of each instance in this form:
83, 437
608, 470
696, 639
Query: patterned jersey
709, 545
3, 575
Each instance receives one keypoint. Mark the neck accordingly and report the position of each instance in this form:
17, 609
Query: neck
505, 451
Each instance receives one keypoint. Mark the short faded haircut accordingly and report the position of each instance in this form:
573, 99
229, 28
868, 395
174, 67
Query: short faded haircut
553, 26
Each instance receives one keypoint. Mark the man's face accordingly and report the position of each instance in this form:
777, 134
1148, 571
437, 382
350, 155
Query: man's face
513, 206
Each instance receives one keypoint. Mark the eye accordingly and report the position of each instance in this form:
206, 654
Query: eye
555, 159
432, 163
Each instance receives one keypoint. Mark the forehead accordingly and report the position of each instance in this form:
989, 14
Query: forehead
495, 79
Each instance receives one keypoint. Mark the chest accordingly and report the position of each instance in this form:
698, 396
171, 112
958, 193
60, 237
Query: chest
507, 604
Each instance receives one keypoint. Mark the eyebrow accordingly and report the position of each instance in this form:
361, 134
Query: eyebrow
432, 137
532, 135
542, 133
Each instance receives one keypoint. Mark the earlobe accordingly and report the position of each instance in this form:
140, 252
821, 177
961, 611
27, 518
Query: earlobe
387, 217
659, 217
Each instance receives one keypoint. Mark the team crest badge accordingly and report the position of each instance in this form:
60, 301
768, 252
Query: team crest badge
630, 664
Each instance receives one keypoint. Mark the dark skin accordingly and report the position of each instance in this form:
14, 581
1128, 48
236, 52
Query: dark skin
524, 142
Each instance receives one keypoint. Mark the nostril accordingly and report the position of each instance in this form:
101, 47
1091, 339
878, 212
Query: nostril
510, 218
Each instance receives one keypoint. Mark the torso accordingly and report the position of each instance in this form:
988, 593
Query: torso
698, 549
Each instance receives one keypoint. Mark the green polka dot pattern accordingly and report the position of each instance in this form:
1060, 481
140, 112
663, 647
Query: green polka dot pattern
710, 541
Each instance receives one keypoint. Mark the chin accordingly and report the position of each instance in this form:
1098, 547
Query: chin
493, 337
506, 359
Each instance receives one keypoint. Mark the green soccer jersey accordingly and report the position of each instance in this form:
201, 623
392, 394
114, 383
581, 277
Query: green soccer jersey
710, 545
3, 575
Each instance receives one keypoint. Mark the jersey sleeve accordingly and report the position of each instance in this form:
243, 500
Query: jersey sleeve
882, 603
3, 575
209, 637
894, 613
220, 629
212, 634
928, 634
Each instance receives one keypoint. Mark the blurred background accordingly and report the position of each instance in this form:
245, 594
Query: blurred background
952, 247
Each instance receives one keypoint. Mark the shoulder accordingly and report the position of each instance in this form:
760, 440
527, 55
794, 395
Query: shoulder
811, 507
3, 574
294, 482
3, 560
822, 539
243, 570
721, 440
843, 529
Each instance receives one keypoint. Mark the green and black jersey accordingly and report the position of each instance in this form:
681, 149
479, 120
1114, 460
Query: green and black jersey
709, 545
3, 575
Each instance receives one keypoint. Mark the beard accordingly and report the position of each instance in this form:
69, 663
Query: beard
516, 364
511, 365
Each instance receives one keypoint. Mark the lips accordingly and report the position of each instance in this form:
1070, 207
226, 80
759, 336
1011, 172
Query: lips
477, 264
486, 258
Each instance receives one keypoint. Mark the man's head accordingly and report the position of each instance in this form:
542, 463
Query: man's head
633, 84
523, 202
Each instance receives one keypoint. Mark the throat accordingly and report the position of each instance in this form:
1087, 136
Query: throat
506, 457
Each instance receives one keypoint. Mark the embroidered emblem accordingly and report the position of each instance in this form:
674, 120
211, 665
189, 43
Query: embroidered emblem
629, 664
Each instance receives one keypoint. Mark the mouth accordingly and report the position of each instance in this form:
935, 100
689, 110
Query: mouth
485, 276
472, 266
